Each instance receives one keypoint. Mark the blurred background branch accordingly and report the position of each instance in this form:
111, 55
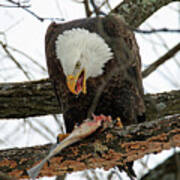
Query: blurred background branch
20, 4
161, 60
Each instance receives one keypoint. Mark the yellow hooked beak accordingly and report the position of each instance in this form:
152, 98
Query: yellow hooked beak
77, 83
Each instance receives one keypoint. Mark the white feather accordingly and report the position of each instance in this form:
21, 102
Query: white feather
81, 45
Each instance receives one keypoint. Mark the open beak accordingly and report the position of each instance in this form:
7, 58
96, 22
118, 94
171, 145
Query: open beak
77, 83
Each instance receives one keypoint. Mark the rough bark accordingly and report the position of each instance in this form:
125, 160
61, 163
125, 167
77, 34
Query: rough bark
106, 149
135, 12
162, 104
169, 169
6, 177
35, 98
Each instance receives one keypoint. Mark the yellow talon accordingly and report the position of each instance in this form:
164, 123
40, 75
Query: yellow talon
119, 122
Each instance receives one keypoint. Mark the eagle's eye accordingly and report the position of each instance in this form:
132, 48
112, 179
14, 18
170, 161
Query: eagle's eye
78, 65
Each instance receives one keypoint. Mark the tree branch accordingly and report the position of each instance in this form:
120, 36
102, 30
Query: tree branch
35, 98
135, 12
106, 149
161, 60
5, 177
25, 8
87, 8
19, 66
161, 30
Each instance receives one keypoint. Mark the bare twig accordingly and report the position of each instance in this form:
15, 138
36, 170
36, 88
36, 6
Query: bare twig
167, 30
116, 172
27, 56
60, 124
46, 128
42, 19
161, 60
97, 9
42, 133
168, 74
18, 6
87, 8
14, 60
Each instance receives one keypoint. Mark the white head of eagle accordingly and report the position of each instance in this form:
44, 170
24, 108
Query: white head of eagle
82, 54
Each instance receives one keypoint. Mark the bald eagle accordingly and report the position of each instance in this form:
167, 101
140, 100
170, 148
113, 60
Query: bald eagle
95, 67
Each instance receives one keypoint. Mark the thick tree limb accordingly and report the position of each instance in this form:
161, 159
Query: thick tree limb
106, 149
35, 98
162, 104
20, 100
135, 12
5, 177
161, 60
